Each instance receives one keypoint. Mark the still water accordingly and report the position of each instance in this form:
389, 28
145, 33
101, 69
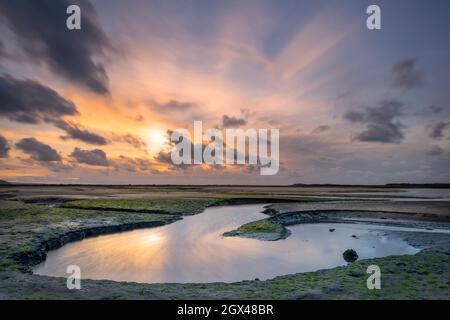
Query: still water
193, 250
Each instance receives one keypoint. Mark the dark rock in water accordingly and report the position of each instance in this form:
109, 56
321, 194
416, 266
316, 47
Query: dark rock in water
350, 255
354, 236
270, 211
256, 279
331, 230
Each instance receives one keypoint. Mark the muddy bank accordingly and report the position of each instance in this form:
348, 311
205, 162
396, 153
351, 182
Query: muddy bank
38, 254
274, 227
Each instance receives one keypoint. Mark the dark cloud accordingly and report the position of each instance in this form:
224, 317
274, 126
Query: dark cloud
164, 157
4, 147
380, 122
40, 26
174, 105
233, 121
405, 75
124, 163
30, 102
131, 139
437, 130
435, 151
181, 112
58, 166
77, 132
320, 129
2, 50
95, 157
37, 150
354, 116
436, 109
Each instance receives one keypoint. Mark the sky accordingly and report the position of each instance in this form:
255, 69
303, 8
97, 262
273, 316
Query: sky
97, 105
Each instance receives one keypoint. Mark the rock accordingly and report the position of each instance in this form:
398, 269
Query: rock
332, 230
350, 255
354, 236
270, 211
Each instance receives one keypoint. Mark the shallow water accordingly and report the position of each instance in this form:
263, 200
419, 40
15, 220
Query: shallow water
193, 250
414, 194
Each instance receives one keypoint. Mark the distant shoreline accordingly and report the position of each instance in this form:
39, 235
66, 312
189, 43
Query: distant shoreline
296, 185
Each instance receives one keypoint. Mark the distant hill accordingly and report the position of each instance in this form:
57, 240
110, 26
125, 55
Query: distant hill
389, 185
4, 182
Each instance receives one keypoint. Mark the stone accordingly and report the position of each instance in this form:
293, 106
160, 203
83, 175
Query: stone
350, 255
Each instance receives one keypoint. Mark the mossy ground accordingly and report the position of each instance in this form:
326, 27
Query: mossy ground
263, 225
172, 206
24, 227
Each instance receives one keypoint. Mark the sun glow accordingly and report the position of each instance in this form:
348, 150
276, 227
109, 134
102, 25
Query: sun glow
157, 140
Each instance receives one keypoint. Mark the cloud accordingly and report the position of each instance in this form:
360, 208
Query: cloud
2, 50
4, 147
174, 105
320, 129
128, 164
95, 157
405, 75
40, 27
233, 121
77, 132
436, 109
59, 166
437, 130
380, 122
132, 140
164, 157
435, 151
354, 116
37, 150
30, 102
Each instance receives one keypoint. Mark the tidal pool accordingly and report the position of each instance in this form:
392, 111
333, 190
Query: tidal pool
194, 250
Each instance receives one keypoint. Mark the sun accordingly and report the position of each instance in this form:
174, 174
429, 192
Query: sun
156, 140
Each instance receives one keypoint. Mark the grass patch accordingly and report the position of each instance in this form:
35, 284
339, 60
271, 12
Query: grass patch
174, 206
261, 226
